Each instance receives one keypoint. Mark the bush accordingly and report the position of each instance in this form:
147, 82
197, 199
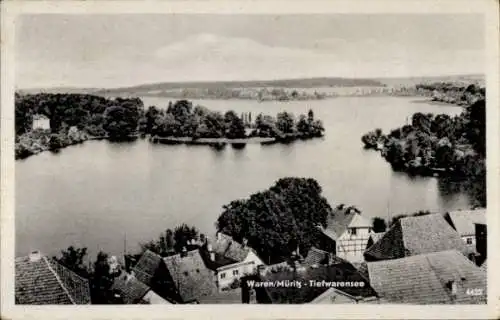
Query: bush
235, 284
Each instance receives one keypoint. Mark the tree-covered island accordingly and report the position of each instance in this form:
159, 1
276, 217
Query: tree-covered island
451, 147
182, 122
74, 118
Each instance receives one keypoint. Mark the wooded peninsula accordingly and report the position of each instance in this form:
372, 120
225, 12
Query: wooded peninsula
74, 118
451, 147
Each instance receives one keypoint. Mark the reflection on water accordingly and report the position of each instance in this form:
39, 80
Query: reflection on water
94, 193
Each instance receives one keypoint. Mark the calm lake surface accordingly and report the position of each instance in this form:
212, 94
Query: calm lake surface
94, 194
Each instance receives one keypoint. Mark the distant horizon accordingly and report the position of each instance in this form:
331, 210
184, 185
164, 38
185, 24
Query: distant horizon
255, 80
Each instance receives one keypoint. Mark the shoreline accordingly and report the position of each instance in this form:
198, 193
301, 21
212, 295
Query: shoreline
212, 142
46, 148
208, 141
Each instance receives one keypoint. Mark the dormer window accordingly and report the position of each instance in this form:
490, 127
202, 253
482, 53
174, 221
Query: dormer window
353, 231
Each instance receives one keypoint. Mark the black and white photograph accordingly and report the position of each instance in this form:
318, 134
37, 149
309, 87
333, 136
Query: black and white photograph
168, 158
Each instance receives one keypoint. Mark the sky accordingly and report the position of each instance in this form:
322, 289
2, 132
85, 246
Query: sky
131, 49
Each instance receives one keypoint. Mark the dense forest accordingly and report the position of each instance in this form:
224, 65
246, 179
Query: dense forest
74, 118
451, 92
278, 220
453, 147
182, 120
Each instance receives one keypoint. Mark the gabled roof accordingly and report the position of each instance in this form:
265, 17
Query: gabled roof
152, 298
317, 256
362, 268
426, 279
416, 235
359, 221
305, 293
373, 238
330, 295
463, 221
190, 276
230, 249
376, 236
130, 289
147, 266
45, 281
340, 219
484, 266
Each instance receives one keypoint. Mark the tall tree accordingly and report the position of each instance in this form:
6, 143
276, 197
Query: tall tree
379, 225
289, 211
234, 126
183, 235
73, 259
285, 122
102, 281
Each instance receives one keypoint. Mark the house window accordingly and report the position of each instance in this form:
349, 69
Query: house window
469, 240
235, 272
353, 231
223, 275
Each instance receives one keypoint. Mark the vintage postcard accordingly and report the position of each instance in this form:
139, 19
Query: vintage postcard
250, 159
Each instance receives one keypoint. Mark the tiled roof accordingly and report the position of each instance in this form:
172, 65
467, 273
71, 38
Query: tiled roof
147, 266
306, 293
426, 278
340, 219
190, 276
464, 220
47, 282
229, 248
316, 257
152, 298
330, 295
373, 238
376, 236
224, 297
130, 289
362, 268
416, 235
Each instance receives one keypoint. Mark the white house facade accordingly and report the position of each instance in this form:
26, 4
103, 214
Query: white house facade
40, 122
231, 260
228, 274
464, 221
351, 244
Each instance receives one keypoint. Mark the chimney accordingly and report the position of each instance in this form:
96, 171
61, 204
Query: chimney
35, 256
452, 286
212, 256
209, 247
245, 242
218, 235
328, 259
261, 270
184, 252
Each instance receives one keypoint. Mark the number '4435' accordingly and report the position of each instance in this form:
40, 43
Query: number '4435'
474, 292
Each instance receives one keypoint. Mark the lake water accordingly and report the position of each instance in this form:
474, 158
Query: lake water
94, 194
